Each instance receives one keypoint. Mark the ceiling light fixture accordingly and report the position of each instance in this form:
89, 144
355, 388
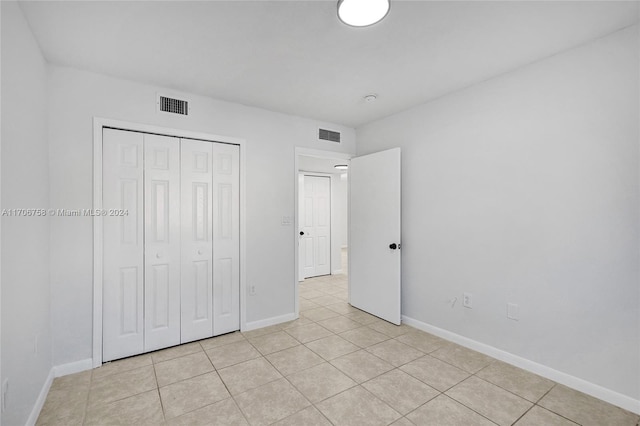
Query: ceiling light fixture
362, 13
371, 98
341, 166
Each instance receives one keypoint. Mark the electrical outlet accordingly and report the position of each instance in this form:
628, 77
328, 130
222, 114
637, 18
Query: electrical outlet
513, 311
252, 290
467, 300
5, 389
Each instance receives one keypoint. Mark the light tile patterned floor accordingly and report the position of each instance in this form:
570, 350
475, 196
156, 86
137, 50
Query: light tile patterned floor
335, 365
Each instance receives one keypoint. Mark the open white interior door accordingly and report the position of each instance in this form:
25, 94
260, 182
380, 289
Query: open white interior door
374, 234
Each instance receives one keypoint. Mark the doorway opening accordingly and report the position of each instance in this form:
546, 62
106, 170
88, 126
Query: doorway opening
321, 233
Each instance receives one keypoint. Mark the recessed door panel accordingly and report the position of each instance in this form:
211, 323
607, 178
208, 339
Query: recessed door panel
123, 263
197, 240
162, 241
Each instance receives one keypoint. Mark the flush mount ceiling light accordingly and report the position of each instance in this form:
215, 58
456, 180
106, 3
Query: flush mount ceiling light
362, 13
371, 98
341, 166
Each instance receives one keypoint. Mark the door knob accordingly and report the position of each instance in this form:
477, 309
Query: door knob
301, 232
199, 251
158, 255
393, 246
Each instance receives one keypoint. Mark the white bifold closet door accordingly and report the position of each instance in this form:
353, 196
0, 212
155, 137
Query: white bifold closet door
123, 284
171, 266
210, 239
161, 242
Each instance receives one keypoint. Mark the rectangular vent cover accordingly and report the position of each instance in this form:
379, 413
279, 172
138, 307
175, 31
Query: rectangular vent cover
329, 135
174, 106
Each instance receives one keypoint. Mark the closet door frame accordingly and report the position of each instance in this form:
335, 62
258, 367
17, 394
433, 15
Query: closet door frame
99, 124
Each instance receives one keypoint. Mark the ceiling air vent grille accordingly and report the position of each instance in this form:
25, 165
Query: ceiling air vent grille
328, 135
174, 106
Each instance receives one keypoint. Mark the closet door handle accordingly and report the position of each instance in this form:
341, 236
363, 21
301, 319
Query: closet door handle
199, 251
158, 255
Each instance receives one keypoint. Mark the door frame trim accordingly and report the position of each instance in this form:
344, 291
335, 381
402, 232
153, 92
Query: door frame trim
333, 155
98, 238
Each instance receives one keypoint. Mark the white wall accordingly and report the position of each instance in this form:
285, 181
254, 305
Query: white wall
25, 240
525, 189
76, 97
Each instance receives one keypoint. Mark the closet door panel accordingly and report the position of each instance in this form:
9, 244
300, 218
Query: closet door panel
123, 279
197, 249
162, 241
226, 238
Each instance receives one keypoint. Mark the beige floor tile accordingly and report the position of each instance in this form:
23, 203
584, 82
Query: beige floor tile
224, 339
188, 395
310, 294
231, 354
326, 299
141, 409
271, 402
402, 422
294, 359
435, 373
523, 383
422, 341
66, 403
248, 375
339, 324
273, 342
585, 409
357, 406
308, 333
361, 365
494, 403
222, 413
394, 352
320, 382
262, 331
443, 411
307, 305
122, 385
401, 391
538, 416
362, 317
389, 329
343, 308
310, 416
332, 347
462, 357
364, 337
78, 381
175, 352
182, 368
296, 323
319, 314
121, 365
333, 289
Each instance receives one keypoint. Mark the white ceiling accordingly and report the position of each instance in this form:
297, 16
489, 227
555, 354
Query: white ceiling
296, 57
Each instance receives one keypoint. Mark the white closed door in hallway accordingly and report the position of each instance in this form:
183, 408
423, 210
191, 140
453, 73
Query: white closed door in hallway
171, 260
315, 226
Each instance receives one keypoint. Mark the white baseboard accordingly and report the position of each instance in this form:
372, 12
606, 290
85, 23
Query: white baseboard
42, 397
336, 272
269, 321
568, 380
56, 371
73, 367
